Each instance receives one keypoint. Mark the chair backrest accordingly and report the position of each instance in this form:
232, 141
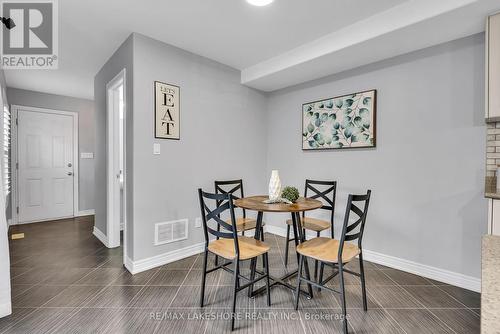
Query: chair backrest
223, 202
233, 187
348, 232
325, 191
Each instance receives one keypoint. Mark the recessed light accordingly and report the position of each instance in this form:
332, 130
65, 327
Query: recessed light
259, 3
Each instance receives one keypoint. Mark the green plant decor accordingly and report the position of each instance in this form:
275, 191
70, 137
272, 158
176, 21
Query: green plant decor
290, 193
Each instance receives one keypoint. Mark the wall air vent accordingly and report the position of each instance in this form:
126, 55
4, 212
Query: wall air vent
171, 231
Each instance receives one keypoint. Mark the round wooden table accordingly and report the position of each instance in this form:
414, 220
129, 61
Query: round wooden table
256, 203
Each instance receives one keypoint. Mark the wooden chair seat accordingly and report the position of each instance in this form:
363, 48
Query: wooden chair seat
249, 248
326, 250
312, 224
244, 224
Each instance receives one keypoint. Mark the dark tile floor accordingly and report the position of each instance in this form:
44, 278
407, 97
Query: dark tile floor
65, 281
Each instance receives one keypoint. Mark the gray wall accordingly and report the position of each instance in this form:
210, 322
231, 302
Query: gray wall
427, 171
121, 59
223, 136
86, 137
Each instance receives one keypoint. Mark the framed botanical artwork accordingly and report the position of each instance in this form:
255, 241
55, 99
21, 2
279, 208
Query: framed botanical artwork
341, 122
167, 111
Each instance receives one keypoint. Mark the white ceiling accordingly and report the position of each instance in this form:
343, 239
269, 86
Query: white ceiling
266, 43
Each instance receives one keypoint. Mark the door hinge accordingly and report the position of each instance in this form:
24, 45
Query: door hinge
17, 165
17, 209
17, 122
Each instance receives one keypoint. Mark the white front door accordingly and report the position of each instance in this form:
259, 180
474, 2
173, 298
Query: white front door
45, 170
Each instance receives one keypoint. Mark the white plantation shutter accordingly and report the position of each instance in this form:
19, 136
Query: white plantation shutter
6, 172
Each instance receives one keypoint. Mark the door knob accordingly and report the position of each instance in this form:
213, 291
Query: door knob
70, 173
69, 164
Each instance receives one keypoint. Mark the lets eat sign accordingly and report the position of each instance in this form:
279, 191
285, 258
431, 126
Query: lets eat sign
167, 111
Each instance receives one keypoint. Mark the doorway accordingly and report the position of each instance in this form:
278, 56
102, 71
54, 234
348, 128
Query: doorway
45, 164
116, 187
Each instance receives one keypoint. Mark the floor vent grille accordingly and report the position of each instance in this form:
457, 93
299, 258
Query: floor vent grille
167, 232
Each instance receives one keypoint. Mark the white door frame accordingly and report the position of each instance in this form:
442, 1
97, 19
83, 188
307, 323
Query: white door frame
14, 157
113, 163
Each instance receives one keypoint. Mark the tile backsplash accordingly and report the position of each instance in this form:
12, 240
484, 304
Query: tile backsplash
492, 148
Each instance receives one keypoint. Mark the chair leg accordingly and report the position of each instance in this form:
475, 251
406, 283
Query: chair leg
297, 289
342, 297
216, 262
320, 279
363, 284
300, 237
243, 233
202, 298
316, 262
268, 289
286, 244
262, 234
235, 291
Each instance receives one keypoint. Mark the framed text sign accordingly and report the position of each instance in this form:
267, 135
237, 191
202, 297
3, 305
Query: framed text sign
167, 111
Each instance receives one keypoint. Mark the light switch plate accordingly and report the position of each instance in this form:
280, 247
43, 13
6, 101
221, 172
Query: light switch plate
156, 148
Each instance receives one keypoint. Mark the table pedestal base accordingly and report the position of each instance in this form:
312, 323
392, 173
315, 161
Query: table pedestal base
299, 237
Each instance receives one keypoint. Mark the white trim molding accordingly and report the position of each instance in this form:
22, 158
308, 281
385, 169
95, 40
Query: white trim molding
113, 161
438, 274
101, 236
138, 266
83, 213
5, 309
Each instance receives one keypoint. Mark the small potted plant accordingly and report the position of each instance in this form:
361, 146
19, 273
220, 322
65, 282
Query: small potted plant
290, 194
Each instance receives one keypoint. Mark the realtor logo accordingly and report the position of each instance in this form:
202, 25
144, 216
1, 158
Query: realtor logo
31, 42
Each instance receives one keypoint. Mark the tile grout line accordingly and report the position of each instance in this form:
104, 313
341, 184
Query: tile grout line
467, 307
181, 285
381, 306
425, 307
79, 308
41, 306
393, 319
179, 288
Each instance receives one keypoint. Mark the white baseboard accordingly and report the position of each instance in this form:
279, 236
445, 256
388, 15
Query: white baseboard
101, 236
129, 264
159, 260
441, 275
5, 309
83, 213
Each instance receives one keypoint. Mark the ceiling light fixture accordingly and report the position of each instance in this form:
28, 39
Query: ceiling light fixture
260, 3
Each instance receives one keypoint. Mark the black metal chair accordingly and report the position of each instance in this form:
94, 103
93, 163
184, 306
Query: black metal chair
314, 224
229, 245
242, 223
337, 253
235, 187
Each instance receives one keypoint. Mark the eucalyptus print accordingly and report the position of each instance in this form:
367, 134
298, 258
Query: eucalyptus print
339, 122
